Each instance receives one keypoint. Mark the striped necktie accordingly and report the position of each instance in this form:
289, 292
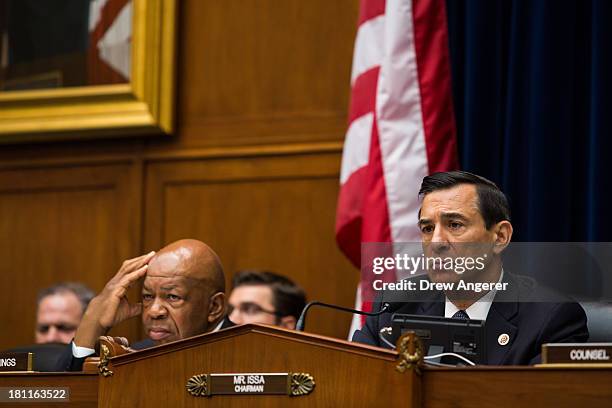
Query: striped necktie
461, 315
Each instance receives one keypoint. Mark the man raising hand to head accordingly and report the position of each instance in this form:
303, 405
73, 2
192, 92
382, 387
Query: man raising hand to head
183, 295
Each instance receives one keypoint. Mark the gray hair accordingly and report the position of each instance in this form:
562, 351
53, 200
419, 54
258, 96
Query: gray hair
82, 292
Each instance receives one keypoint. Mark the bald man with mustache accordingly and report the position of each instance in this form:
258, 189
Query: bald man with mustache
183, 295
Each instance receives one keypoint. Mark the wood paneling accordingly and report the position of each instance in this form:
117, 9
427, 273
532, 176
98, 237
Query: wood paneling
263, 91
264, 71
66, 223
259, 212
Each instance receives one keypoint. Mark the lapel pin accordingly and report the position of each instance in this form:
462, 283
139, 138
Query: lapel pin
503, 339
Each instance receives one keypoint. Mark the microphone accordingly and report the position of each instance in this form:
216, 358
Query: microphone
301, 323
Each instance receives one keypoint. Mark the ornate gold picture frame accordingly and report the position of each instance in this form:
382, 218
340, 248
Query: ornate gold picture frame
145, 105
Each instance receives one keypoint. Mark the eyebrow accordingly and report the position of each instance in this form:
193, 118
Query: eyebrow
164, 288
454, 215
445, 216
423, 221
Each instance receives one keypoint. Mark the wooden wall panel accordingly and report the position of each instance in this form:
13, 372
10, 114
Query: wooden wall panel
264, 71
259, 212
67, 223
262, 95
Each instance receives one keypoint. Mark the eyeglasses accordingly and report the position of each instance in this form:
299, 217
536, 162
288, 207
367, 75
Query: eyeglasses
250, 309
65, 328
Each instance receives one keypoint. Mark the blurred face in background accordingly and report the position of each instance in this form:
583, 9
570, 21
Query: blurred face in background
252, 304
57, 318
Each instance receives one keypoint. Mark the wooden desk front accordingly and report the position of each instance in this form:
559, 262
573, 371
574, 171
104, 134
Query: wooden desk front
497, 387
83, 388
517, 386
346, 375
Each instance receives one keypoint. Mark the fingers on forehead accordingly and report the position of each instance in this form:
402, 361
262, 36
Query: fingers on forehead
142, 258
129, 265
131, 277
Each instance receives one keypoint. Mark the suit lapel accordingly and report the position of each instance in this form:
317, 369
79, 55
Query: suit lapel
433, 307
144, 344
226, 323
497, 324
500, 322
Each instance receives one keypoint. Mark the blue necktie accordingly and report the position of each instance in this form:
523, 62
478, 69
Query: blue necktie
461, 315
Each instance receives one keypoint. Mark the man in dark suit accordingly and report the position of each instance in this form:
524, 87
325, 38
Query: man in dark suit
464, 214
183, 295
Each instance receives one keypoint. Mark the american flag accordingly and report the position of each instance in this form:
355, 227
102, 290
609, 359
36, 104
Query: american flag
401, 124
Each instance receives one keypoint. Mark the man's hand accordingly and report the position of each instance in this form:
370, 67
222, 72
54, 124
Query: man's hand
111, 306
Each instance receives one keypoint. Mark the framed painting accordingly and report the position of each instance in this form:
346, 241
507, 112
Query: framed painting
92, 69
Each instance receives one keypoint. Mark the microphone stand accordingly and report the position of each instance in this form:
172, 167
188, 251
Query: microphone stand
301, 323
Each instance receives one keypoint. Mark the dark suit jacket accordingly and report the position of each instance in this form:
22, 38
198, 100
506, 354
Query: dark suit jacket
46, 356
68, 362
518, 312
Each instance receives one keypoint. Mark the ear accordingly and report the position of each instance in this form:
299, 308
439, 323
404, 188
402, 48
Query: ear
216, 307
288, 322
503, 235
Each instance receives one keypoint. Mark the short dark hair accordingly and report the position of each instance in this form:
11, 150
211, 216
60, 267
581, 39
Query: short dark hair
82, 292
288, 298
492, 202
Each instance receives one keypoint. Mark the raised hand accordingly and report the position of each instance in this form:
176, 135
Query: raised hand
111, 306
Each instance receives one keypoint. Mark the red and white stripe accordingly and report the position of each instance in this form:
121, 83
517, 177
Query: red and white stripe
110, 32
401, 122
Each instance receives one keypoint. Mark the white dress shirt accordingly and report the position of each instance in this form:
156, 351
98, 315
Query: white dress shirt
479, 309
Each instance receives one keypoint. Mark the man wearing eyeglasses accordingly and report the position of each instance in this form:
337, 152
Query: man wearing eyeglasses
265, 297
60, 308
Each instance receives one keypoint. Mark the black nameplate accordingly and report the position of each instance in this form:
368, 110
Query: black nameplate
15, 362
293, 384
267, 384
577, 353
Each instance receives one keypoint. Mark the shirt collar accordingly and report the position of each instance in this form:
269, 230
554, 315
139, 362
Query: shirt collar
479, 309
218, 326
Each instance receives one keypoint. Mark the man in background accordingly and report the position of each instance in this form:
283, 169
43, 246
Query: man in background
60, 309
265, 297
